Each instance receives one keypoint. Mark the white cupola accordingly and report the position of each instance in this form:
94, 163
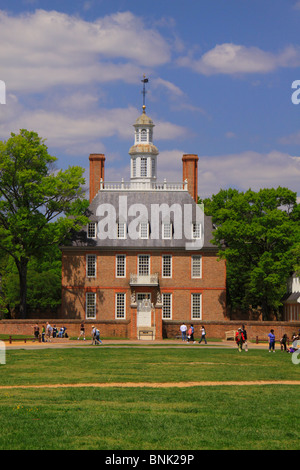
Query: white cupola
143, 153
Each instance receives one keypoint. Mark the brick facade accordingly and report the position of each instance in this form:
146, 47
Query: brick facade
76, 284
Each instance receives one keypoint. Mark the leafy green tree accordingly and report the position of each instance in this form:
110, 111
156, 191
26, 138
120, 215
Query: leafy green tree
43, 282
256, 233
39, 206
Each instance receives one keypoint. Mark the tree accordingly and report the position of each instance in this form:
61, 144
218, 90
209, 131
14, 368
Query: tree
39, 206
43, 282
256, 234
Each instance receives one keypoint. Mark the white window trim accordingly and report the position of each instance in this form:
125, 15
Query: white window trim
171, 305
192, 295
200, 231
192, 267
171, 266
125, 231
140, 231
95, 257
116, 306
95, 225
149, 265
87, 294
164, 237
118, 276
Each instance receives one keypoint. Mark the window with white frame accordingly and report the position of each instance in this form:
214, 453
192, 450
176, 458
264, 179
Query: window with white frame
196, 307
92, 230
196, 230
144, 265
153, 167
167, 231
91, 265
90, 305
144, 230
143, 135
120, 305
120, 265
197, 266
167, 266
143, 167
134, 167
167, 306
121, 230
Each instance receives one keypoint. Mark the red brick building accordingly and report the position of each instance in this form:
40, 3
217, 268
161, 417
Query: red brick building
145, 258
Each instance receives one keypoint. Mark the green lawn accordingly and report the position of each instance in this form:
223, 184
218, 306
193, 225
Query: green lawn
212, 417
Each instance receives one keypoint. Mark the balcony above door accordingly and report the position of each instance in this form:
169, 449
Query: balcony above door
148, 280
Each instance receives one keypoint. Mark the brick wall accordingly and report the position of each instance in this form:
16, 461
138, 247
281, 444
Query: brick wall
170, 329
75, 284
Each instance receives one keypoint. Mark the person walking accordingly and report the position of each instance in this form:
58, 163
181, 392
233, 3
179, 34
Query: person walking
97, 336
183, 329
82, 331
93, 334
191, 334
283, 342
245, 337
203, 335
271, 341
43, 334
36, 331
239, 339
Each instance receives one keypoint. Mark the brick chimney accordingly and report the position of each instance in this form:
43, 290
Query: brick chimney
190, 173
96, 173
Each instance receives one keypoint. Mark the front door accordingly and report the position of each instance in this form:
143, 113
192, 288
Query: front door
144, 310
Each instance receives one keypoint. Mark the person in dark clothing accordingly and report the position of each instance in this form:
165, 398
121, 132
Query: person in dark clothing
245, 337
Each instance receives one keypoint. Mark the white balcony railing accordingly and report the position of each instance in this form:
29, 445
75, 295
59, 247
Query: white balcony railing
142, 186
150, 280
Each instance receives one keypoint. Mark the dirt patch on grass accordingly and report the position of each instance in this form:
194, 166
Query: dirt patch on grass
154, 385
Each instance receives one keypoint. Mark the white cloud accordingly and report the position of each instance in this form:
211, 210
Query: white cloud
73, 124
242, 170
231, 58
47, 48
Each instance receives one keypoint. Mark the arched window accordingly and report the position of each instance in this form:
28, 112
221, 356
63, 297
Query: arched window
143, 135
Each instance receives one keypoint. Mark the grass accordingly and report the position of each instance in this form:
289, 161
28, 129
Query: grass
214, 417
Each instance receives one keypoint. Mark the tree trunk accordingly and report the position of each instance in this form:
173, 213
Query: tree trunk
22, 268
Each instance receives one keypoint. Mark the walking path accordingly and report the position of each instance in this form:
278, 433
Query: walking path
115, 343
153, 385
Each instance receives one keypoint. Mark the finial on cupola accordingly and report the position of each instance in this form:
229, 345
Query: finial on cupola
144, 81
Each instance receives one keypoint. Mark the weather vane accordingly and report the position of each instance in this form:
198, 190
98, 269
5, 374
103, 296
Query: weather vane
144, 81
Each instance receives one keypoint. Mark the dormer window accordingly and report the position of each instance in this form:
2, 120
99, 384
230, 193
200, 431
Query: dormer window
196, 230
92, 230
144, 230
121, 230
167, 231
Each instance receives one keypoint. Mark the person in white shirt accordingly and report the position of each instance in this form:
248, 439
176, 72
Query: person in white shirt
183, 329
203, 333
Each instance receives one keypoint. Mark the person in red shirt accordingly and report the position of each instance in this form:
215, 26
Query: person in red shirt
239, 339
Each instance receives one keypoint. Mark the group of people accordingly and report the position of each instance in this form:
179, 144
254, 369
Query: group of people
188, 334
49, 332
95, 334
241, 339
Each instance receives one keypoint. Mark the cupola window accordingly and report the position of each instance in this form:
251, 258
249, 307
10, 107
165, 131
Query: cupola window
143, 135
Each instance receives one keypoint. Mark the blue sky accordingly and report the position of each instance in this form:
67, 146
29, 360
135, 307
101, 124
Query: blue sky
220, 84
